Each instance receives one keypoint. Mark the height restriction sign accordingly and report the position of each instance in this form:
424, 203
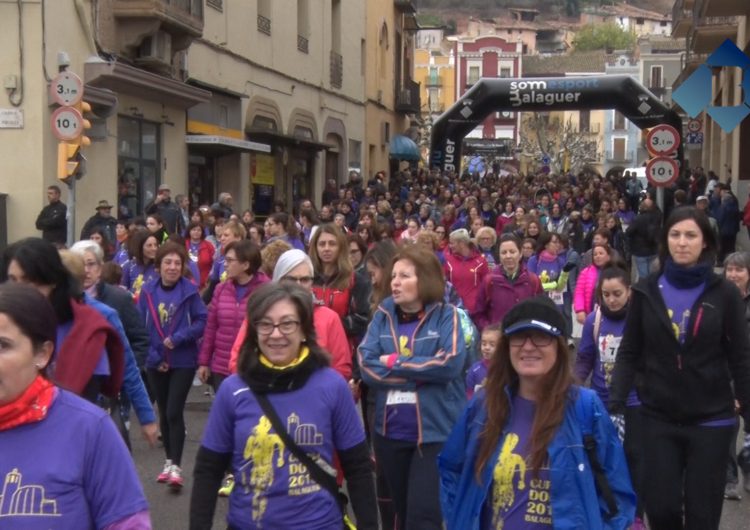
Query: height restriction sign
662, 140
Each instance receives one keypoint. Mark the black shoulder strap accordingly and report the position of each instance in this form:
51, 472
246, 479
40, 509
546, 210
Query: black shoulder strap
319, 475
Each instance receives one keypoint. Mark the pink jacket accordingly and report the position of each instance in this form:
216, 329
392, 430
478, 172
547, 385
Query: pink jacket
466, 275
225, 317
331, 337
583, 298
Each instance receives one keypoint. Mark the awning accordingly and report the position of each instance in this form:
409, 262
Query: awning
220, 144
403, 148
275, 138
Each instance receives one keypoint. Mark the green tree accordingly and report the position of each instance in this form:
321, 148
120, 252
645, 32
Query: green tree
603, 36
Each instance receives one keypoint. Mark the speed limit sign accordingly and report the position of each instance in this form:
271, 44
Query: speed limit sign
66, 89
662, 171
67, 123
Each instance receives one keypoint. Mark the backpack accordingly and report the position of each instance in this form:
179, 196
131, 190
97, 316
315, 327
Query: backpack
585, 414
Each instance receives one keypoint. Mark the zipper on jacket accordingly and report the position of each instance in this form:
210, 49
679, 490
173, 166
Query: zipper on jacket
679, 361
697, 322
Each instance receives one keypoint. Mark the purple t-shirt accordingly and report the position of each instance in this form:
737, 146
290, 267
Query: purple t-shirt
83, 480
193, 251
241, 290
679, 303
135, 276
475, 376
597, 356
166, 302
272, 489
401, 406
517, 499
218, 274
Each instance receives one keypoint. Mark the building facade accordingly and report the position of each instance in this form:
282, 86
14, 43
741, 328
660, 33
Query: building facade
621, 136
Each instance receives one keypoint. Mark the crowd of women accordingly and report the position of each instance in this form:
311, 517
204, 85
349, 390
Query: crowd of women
444, 306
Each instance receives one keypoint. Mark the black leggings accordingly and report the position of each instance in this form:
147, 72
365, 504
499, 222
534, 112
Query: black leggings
171, 390
686, 467
412, 476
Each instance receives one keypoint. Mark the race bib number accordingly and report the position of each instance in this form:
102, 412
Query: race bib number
398, 397
557, 297
608, 346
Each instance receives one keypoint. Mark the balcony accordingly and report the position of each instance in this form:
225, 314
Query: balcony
303, 44
337, 70
721, 8
137, 19
405, 5
709, 32
264, 24
408, 100
619, 156
682, 18
433, 81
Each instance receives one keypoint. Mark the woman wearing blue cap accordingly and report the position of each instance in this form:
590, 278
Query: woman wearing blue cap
532, 450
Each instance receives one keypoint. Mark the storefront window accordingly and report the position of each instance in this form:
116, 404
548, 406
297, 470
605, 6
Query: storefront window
138, 147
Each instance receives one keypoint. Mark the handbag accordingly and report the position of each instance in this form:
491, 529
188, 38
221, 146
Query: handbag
318, 474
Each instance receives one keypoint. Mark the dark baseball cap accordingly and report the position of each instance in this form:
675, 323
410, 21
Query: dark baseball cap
538, 313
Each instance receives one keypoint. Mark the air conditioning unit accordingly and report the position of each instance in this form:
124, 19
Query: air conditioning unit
156, 48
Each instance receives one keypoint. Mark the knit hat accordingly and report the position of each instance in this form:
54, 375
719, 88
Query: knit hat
289, 260
539, 313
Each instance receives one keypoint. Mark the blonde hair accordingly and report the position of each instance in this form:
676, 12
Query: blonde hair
271, 253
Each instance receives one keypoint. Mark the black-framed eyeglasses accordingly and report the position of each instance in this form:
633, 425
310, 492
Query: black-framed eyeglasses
287, 327
302, 280
538, 338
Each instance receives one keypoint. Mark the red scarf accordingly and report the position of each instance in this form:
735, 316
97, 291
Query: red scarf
30, 407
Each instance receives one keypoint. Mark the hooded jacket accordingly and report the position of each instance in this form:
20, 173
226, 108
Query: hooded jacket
684, 383
466, 275
497, 294
225, 317
185, 329
573, 496
434, 370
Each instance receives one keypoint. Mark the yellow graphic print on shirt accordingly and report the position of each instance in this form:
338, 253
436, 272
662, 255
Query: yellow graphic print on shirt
17, 500
223, 276
681, 328
503, 491
259, 450
403, 346
137, 284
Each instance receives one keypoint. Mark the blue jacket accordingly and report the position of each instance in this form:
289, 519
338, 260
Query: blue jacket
573, 496
187, 324
434, 370
132, 383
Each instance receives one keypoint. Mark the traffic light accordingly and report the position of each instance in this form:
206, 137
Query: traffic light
69, 125
70, 160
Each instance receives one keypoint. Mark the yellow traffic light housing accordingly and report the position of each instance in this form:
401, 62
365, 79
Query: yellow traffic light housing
67, 160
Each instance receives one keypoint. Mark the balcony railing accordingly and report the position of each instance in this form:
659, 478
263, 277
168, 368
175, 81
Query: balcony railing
303, 44
714, 22
264, 24
619, 156
337, 70
408, 98
176, 16
433, 81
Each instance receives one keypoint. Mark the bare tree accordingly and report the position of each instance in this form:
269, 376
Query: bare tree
566, 147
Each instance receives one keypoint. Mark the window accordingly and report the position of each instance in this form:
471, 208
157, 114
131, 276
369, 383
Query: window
619, 121
474, 74
355, 154
303, 28
336, 25
264, 16
639, 21
584, 120
619, 146
138, 155
433, 98
656, 77
505, 72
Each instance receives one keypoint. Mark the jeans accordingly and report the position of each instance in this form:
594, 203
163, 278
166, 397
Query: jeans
643, 265
686, 471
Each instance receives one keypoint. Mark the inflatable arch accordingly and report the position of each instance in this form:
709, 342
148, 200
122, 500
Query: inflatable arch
488, 95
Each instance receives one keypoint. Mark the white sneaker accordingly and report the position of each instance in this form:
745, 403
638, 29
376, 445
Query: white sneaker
164, 475
175, 478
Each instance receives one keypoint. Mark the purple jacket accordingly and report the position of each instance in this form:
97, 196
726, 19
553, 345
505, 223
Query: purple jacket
497, 294
225, 316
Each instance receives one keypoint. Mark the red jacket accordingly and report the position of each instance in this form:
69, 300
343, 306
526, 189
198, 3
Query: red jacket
331, 337
466, 275
225, 318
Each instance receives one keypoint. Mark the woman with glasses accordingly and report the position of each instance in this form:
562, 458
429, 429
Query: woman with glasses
336, 285
357, 251
413, 355
294, 266
227, 309
516, 458
283, 365
175, 318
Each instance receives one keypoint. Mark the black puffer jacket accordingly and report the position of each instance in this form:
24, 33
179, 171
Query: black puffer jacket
685, 383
